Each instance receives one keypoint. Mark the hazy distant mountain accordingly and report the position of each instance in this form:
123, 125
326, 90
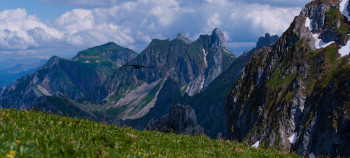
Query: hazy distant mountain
6, 63
10, 73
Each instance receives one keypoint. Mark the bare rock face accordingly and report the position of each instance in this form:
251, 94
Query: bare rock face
317, 13
181, 119
218, 38
288, 96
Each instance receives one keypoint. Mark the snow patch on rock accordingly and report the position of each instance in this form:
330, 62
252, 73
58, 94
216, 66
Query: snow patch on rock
257, 144
312, 155
343, 8
205, 58
345, 50
308, 23
318, 42
202, 84
293, 138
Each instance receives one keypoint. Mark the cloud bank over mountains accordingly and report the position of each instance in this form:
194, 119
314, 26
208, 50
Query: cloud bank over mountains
134, 23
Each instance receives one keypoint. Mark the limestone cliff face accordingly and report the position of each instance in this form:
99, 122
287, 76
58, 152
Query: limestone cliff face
216, 60
293, 95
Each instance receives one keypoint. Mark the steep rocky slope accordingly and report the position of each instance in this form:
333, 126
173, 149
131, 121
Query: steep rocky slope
76, 79
294, 94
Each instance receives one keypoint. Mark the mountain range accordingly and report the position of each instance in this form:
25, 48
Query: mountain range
290, 92
10, 72
93, 84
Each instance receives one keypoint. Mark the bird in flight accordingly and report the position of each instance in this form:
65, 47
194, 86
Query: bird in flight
137, 66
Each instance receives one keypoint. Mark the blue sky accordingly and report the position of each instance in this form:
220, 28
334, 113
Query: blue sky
42, 28
45, 11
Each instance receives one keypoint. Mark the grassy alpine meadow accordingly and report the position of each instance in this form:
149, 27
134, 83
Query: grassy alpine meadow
38, 134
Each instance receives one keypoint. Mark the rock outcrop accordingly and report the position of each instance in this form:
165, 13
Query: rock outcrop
181, 119
265, 41
218, 38
293, 95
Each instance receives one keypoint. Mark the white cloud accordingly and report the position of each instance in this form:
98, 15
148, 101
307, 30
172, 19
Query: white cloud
135, 23
218, 2
272, 20
21, 31
214, 21
76, 20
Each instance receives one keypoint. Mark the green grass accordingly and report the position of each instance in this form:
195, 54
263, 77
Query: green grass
277, 80
332, 64
38, 134
343, 29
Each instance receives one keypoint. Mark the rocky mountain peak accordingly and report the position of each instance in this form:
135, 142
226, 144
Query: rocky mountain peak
180, 119
316, 12
218, 38
52, 61
267, 40
184, 38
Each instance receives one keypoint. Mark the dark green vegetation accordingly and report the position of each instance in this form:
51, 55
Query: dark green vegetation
38, 134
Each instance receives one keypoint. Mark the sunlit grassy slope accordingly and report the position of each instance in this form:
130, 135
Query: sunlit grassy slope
38, 134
